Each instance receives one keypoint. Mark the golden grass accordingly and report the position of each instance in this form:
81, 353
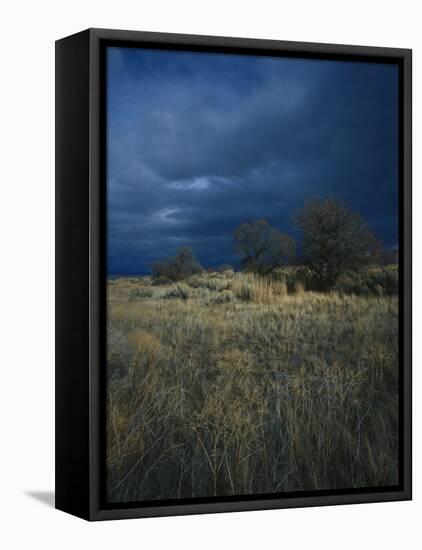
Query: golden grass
240, 387
144, 342
256, 289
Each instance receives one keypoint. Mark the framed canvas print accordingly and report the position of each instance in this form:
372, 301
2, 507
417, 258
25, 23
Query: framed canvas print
233, 274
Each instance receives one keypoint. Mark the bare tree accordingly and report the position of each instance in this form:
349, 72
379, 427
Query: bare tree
262, 247
177, 267
336, 240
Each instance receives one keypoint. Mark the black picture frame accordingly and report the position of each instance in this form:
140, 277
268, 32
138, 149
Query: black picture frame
80, 272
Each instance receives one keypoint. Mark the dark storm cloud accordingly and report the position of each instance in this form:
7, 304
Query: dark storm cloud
198, 143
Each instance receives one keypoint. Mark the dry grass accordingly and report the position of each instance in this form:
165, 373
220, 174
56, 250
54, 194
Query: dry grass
228, 384
256, 289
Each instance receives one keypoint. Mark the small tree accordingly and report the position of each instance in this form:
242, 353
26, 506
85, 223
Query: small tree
336, 240
262, 247
178, 267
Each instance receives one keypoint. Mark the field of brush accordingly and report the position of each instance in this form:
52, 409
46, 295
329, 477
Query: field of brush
228, 384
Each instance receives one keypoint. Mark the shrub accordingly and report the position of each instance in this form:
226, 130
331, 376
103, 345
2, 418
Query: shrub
223, 297
296, 278
195, 282
218, 285
225, 267
177, 291
230, 273
161, 281
211, 283
376, 281
387, 278
139, 293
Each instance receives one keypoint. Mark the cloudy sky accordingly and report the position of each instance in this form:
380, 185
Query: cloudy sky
198, 143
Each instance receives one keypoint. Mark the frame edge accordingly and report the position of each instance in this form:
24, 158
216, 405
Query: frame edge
404, 56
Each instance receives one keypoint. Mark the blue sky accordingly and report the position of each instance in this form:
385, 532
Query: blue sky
198, 143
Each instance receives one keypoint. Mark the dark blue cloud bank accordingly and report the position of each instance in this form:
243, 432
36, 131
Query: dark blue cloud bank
198, 143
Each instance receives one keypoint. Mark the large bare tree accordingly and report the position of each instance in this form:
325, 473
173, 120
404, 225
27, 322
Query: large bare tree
336, 240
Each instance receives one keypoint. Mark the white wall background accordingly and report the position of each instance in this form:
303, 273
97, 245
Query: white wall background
27, 36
